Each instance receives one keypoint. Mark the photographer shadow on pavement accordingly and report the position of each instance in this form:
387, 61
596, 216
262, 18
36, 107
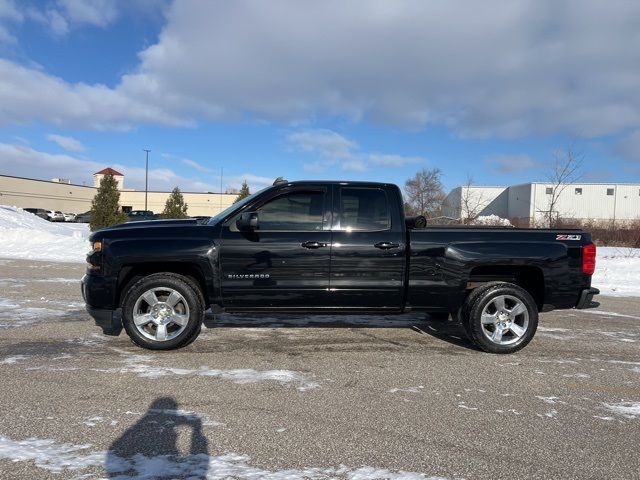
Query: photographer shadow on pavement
149, 448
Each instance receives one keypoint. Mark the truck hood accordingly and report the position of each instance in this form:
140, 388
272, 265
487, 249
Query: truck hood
150, 229
153, 223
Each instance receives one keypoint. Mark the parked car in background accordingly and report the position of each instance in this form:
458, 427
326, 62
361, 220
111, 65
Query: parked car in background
38, 212
141, 215
83, 217
55, 216
69, 217
201, 219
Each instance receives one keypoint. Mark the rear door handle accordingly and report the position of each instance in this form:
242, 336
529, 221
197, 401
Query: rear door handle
313, 244
386, 245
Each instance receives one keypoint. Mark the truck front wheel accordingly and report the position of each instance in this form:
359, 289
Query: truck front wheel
163, 311
500, 318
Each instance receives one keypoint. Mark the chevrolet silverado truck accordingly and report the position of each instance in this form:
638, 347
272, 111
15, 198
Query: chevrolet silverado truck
319, 247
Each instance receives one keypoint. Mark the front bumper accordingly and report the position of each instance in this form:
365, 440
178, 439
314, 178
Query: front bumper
107, 319
586, 299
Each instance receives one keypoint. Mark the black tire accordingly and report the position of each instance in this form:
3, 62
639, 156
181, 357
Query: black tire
462, 315
192, 299
484, 299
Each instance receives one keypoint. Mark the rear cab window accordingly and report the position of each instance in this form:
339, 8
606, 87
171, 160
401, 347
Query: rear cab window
364, 209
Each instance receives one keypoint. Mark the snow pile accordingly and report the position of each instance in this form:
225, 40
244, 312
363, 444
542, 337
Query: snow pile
617, 271
493, 220
26, 236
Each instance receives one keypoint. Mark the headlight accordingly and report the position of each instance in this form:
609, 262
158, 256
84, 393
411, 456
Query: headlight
97, 246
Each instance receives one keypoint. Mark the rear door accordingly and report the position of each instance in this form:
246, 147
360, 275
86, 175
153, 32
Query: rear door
285, 262
368, 249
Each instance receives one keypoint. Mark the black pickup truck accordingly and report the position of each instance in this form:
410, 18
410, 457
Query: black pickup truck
332, 247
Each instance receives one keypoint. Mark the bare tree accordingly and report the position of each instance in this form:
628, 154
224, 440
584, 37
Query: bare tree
471, 202
425, 192
566, 169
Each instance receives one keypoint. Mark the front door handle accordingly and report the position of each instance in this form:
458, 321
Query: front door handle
313, 244
386, 245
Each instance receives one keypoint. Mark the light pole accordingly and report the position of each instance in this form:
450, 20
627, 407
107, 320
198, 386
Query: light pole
146, 176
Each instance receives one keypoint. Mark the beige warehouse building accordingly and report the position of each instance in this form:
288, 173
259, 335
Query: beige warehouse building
59, 194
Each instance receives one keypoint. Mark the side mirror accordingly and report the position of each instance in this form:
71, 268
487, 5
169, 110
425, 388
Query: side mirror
247, 221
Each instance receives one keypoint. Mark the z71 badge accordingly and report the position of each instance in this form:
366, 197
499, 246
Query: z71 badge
568, 237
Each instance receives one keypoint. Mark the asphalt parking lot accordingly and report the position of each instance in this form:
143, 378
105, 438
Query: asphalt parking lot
295, 397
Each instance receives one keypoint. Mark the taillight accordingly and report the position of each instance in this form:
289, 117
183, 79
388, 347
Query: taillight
589, 259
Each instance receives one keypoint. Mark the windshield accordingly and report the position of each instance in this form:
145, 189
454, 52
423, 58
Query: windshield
235, 206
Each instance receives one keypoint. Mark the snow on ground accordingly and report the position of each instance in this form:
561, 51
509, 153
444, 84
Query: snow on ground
56, 457
15, 315
627, 409
142, 366
617, 271
26, 236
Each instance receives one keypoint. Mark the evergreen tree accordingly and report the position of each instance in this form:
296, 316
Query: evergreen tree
175, 206
244, 192
105, 210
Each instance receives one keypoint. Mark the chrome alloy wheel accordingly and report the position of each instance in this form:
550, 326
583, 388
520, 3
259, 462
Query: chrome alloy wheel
505, 320
161, 314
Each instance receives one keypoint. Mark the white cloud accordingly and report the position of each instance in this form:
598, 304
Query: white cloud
27, 95
9, 14
510, 164
393, 160
521, 68
333, 149
326, 143
8, 10
68, 143
63, 16
255, 182
195, 165
99, 13
57, 23
163, 179
23, 160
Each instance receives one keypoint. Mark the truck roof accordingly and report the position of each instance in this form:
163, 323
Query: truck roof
335, 182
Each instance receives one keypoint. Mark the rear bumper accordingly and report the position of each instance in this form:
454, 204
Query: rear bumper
586, 299
107, 319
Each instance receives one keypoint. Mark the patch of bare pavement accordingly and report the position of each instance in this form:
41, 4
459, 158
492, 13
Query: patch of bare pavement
295, 397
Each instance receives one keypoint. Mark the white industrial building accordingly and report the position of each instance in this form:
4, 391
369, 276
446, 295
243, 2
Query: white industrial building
529, 203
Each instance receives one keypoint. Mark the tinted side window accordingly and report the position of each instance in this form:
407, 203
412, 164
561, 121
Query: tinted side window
298, 211
364, 209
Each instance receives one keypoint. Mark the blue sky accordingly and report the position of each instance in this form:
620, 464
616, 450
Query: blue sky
364, 90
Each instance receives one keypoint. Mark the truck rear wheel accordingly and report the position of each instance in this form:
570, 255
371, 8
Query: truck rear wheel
500, 318
163, 311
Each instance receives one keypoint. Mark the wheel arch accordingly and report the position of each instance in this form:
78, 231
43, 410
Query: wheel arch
130, 274
528, 277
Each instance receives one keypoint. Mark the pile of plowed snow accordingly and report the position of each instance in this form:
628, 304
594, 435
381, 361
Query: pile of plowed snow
617, 271
491, 220
25, 236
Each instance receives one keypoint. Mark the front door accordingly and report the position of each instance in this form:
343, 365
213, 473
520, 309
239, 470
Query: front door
368, 249
284, 263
